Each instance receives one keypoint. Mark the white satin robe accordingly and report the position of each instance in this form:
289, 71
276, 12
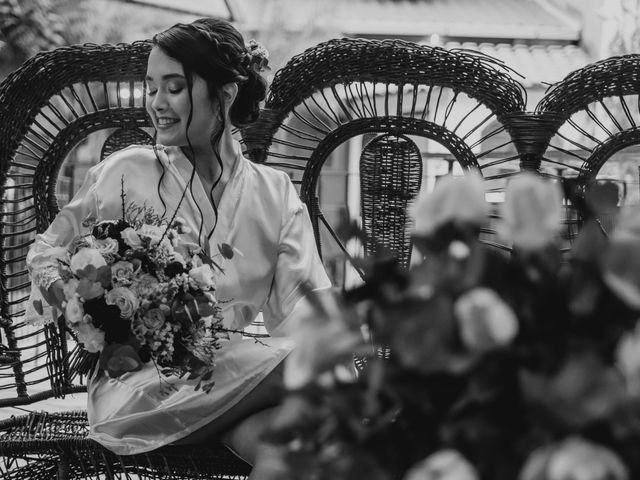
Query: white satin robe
261, 215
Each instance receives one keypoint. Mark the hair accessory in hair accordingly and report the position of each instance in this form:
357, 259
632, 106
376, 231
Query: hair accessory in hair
258, 56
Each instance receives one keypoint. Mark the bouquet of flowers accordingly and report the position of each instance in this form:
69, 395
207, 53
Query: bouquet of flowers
136, 293
503, 365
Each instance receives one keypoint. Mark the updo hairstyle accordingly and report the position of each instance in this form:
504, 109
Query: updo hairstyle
216, 51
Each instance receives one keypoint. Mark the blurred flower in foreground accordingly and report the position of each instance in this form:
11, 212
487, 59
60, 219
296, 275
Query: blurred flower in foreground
484, 319
628, 359
531, 212
454, 200
621, 260
324, 344
575, 459
443, 465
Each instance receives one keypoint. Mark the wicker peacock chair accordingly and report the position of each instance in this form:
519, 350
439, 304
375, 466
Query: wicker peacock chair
597, 113
52, 104
382, 102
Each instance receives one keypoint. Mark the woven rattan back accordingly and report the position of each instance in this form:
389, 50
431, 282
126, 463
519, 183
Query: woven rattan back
123, 137
51, 105
328, 102
390, 177
597, 133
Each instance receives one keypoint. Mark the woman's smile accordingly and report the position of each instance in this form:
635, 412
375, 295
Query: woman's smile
166, 122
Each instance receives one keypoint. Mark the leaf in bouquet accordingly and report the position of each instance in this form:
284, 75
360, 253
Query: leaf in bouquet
207, 387
209, 261
89, 289
103, 275
37, 305
225, 250
173, 269
117, 359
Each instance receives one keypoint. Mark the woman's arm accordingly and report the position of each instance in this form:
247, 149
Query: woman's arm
51, 245
297, 263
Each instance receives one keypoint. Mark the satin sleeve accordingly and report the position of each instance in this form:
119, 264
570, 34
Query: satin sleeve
298, 262
51, 245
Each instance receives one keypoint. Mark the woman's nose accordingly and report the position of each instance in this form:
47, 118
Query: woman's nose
159, 102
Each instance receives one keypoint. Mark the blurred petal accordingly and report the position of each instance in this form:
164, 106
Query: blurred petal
532, 211
454, 199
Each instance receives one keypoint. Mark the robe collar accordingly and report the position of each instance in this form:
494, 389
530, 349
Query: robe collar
198, 197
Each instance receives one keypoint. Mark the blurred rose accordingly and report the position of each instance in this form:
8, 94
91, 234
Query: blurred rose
460, 200
70, 288
153, 319
323, 341
130, 237
620, 262
532, 211
124, 299
484, 319
122, 272
86, 257
145, 285
91, 337
106, 247
204, 276
443, 465
575, 459
153, 232
628, 359
73, 311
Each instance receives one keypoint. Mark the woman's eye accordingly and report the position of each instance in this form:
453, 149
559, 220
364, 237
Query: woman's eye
151, 92
175, 90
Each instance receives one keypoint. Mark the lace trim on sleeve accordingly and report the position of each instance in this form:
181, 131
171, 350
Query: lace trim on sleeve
45, 276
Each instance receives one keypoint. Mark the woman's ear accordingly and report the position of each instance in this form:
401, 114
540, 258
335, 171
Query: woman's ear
229, 92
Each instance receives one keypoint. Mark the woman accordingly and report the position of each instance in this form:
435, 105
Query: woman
201, 80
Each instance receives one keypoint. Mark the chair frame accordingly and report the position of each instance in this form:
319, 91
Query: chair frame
44, 444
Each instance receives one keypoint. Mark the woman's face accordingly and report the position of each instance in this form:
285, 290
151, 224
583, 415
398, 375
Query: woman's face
168, 103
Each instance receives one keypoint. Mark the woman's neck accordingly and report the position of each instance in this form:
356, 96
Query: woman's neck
205, 161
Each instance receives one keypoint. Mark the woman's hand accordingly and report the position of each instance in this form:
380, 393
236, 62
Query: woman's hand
54, 295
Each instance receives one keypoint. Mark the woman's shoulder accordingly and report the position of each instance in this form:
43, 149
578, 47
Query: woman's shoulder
268, 175
273, 186
133, 152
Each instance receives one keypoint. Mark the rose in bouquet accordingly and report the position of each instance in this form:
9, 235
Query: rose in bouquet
515, 363
136, 292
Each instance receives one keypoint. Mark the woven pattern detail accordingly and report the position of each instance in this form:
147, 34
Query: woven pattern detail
607, 78
390, 177
124, 137
398, 62
57, 442
348, 89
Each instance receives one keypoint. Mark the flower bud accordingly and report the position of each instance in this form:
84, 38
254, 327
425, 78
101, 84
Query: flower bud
484, 319
532, 211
